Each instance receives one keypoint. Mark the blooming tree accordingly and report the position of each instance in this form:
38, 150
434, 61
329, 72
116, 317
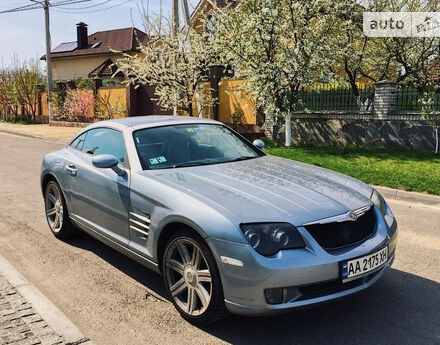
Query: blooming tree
400, 59
27, 86
279, 46
79, 103
429, 111
21, 86
176, 65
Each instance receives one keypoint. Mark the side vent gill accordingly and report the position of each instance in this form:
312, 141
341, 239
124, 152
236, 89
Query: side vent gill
140, 223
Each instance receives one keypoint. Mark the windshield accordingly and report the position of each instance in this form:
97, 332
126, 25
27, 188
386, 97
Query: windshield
190, 145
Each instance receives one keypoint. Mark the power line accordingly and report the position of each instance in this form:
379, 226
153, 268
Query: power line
87, 7
96, 10
46, 5
39, 4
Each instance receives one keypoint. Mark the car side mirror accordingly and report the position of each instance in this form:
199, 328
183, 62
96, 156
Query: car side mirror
107, 162
259, 144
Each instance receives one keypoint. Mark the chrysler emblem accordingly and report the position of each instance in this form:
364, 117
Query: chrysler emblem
353, 216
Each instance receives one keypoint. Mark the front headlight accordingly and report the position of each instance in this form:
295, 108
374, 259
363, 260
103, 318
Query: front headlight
379, 201
269, 238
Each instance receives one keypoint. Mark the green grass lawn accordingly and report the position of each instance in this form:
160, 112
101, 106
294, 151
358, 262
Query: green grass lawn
408, 170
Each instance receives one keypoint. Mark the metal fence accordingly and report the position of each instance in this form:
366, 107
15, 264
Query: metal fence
409, 99
335, 98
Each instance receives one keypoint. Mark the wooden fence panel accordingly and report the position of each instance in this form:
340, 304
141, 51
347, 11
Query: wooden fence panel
114, 97
235, 106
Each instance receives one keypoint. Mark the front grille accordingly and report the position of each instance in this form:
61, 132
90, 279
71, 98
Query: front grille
344, 234
332, 287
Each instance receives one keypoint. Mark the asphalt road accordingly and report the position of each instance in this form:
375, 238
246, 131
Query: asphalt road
114, 300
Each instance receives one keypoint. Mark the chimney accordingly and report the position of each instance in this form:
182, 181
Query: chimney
81, 35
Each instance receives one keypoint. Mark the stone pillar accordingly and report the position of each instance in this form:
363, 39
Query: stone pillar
268, 127
385, 97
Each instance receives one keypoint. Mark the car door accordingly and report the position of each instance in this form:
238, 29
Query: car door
100, 198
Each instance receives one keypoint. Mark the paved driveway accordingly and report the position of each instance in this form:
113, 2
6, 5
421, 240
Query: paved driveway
113, 300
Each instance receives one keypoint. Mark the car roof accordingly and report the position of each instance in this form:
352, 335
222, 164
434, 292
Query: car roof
151, 121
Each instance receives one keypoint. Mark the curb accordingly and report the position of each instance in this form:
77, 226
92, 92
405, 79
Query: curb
413, 197
54, 317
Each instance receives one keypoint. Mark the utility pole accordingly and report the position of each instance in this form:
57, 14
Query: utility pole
48, 60
45, 4
185, 10
176, 27
176, 22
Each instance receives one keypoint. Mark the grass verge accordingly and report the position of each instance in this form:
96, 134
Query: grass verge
395, 168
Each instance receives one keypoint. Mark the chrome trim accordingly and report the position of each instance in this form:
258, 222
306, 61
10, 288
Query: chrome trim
140, 224
348, 216
143, 218
139, 230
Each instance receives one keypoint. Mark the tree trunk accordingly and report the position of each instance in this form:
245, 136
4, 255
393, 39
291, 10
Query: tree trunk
190, 109
288, 128
436, 140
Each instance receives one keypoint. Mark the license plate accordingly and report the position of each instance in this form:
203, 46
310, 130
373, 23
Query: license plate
357, 267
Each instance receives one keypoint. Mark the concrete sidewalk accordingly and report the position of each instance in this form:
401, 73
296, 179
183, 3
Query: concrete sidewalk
60, 134
27, 317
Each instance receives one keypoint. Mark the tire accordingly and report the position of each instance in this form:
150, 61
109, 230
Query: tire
192, 278
57, 215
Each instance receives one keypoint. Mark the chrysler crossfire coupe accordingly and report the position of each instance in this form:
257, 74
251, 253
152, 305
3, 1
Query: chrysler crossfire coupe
229, 227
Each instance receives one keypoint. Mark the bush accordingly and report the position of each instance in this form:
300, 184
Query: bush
79, 104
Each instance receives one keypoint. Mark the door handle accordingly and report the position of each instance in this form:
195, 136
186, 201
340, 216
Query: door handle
71, 169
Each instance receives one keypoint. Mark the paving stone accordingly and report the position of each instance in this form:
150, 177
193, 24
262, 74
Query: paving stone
19, 323
13, 337
29, 341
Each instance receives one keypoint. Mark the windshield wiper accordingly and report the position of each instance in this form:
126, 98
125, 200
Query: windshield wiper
190, 164
243, 158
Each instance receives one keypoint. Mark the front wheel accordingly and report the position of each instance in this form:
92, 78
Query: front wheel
192, 279
56, 211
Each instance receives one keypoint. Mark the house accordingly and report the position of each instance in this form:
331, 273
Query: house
94, 55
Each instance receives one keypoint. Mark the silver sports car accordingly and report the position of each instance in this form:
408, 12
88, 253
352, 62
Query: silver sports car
229, 227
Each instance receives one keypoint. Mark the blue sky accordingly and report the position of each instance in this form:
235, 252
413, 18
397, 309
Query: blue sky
22, 33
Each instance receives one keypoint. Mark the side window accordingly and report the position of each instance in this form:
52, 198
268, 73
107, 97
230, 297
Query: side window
105, 141
79, 142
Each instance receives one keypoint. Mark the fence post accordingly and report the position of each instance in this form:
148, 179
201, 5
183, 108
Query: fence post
39, 103
385, 97
97, 83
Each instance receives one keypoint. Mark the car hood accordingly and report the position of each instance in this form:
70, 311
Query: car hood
269, 189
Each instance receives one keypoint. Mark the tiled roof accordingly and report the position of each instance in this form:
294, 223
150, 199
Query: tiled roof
124, 40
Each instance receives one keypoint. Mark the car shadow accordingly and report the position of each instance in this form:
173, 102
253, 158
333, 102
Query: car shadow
133, 269
401, 308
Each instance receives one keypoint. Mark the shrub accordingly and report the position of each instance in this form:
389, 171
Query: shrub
79, 104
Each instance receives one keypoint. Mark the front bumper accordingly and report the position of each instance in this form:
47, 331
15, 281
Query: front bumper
308, 276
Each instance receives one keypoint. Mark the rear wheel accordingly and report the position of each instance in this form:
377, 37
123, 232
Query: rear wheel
192, 279
56, 211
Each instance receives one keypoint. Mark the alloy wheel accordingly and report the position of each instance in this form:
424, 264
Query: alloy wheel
188, 276
54, 207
